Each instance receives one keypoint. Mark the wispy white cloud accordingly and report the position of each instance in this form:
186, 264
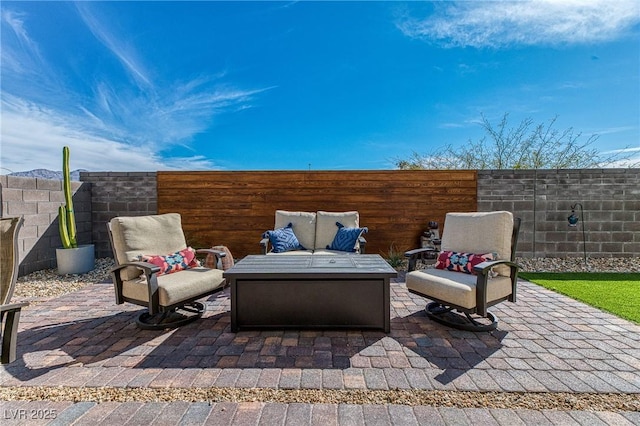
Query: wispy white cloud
536, 22
631, 157
12, 58
125, 52
171, 114
20, 56
610, 130
624, 150
451, 125
132, 123
33, 137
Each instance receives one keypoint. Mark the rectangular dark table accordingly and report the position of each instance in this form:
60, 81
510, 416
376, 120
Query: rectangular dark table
302, 291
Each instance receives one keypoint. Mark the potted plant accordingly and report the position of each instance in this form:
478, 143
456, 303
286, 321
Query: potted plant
71, 258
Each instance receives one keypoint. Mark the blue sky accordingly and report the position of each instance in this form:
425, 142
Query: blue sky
142, 86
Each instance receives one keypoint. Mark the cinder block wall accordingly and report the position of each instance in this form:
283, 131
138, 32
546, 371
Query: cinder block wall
118, 194
543, 198
37, 200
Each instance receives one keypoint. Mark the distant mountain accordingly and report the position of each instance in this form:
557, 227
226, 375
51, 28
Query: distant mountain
48, 174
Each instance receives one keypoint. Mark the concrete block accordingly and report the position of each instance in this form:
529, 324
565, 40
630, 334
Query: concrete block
600, 237
137, 206
631, 205
597, 216
631, 226
47, 207
57, 197
28, 243
48, 229
11, 194
617, 171
631, 247
49, 184
19, 182
623, 216
606, 205
118, 206
567, 247
29, 232
555, 237
35, 219
20, 208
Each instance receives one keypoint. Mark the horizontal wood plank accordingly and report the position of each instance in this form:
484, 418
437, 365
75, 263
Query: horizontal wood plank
235, 208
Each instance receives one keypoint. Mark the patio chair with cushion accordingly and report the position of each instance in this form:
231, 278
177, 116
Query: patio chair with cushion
9, 312
474, 270
156, 269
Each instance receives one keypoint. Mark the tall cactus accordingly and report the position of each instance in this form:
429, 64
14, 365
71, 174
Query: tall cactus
66, 216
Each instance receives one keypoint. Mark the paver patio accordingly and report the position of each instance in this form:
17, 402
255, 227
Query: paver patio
545, 342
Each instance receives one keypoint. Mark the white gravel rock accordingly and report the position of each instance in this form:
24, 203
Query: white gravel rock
577, 264
48, 283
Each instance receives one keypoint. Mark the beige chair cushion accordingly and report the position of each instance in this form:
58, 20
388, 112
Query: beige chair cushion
455, 287
177, 287
292, 253
153, 235
326, 228
479, 233
304, 226
327, 252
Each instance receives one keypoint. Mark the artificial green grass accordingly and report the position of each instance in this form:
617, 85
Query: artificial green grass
618, 293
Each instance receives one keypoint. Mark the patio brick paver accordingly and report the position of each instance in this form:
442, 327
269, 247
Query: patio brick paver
134, 413
84, 340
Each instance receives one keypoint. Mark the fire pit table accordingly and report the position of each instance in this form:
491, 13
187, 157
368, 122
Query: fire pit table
298, 291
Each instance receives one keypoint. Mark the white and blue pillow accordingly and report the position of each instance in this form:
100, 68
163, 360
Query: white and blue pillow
346, 238
283, 239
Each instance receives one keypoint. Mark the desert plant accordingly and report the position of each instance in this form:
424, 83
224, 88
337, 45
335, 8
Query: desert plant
66, 216
526, 146
394, 257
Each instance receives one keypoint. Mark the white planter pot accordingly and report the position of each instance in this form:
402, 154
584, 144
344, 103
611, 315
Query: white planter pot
76, 260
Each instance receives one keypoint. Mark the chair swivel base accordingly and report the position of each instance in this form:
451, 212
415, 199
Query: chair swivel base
445, 315
173, 318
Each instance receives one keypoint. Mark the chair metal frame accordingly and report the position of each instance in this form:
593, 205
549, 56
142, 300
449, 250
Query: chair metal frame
10, 312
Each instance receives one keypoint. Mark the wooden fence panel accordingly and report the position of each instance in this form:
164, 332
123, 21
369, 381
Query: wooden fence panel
235, 208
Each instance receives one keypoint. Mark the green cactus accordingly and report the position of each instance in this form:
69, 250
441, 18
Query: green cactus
66, 216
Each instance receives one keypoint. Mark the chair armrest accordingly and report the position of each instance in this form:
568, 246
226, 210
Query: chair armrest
13, 306
264, 245
484, 267
150, 271
9, 332
482, 270
362, 242
418, 251
415, 254
146, 267
217, 253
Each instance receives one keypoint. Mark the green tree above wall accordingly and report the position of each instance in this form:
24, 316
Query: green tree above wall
525, 146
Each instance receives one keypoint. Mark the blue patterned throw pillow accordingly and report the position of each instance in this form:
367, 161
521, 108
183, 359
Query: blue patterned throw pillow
283, 239
346, 238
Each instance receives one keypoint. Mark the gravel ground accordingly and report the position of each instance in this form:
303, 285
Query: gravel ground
577, 264
435, 398
47, 283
